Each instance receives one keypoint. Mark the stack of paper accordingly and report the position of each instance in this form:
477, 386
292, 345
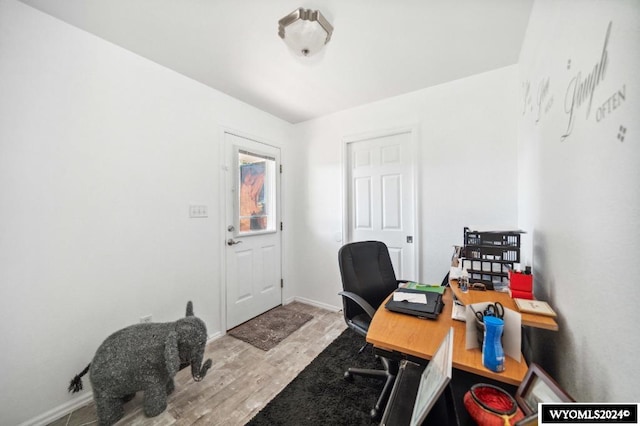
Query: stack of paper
434, 288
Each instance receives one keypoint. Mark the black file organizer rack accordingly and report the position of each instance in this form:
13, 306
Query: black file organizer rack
489, 255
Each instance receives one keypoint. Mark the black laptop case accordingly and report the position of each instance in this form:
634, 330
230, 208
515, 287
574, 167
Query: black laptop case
429, 310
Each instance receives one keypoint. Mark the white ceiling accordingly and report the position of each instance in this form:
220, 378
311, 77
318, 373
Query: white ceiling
379, 48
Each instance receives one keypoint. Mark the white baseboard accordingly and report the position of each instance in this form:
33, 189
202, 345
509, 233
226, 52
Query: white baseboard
215, 336
59, 411
314, 303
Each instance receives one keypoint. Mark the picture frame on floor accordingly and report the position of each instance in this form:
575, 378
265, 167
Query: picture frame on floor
537, 386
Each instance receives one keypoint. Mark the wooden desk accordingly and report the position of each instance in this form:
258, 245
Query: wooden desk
420, 338
474, 296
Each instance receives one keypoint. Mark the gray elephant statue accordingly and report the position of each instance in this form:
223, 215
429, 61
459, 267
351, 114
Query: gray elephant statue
144, 357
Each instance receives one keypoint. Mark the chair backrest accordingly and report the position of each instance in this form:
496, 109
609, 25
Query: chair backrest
367, 271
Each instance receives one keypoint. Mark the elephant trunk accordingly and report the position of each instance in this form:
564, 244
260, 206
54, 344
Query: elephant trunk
198, 372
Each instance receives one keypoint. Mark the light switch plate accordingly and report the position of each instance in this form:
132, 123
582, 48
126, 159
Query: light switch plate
198, 211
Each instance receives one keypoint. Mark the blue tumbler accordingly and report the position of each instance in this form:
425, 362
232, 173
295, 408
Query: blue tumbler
492, 352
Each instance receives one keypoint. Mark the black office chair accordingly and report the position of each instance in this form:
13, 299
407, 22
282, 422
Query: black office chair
367, 279
445, 281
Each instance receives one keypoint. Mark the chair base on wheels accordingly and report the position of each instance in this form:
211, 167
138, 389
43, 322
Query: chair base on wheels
388, 374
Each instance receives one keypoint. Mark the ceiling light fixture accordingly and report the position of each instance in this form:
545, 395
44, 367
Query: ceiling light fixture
305, 31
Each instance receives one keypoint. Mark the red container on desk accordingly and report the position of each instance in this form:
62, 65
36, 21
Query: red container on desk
520, 282
521, 294
521, 285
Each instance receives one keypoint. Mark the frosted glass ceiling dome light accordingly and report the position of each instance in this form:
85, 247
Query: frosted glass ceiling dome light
305, 31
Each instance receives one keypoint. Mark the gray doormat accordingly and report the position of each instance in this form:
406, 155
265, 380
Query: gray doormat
272, 327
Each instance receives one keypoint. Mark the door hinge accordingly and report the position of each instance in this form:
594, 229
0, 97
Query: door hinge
281, 283
280, 168
281, 226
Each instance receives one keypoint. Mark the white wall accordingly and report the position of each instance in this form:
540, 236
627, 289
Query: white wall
101, 153
467, 160
580, 197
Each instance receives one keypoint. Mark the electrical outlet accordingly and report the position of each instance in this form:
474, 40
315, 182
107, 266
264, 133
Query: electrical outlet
198, 211
145, 319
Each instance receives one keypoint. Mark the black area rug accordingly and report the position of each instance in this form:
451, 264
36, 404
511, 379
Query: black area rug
320, 395
272, 327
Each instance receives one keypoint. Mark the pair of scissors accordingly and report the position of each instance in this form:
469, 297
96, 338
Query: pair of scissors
479, 316
494, 310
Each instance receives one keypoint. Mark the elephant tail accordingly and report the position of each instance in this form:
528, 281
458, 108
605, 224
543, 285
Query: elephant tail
76, 383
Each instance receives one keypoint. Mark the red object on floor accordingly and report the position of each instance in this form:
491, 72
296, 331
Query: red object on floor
490, 405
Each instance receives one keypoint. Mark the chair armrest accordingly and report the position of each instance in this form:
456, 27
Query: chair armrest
360, 301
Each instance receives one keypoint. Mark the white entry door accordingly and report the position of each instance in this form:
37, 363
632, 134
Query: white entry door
252, 243
380, 196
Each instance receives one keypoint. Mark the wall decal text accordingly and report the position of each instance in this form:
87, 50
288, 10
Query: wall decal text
581, 90
544, 98
621, 132
526, 85
545, 101
611, 104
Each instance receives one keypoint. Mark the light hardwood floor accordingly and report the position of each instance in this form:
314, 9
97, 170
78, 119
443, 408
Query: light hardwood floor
242, 380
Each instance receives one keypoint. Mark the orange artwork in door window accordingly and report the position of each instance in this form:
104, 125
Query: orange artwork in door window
252, 202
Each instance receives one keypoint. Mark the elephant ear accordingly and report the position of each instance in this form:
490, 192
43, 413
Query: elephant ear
189, 309
171, 356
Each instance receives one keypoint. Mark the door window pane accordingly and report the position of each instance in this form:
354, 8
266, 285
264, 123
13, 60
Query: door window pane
256, 202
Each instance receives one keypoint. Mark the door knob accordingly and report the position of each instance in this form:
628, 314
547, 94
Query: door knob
232, 242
